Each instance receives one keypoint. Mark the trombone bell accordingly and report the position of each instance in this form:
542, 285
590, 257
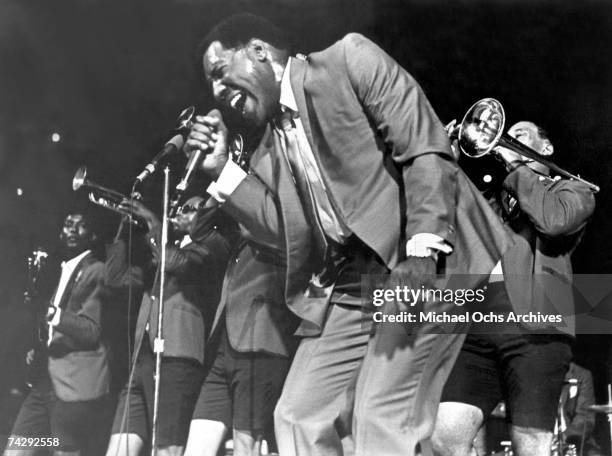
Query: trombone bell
482, 127
482, 130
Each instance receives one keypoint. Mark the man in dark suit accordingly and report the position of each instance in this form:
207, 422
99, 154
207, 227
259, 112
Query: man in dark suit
69, 404
253, 340
522, 363
362, 181
194, 270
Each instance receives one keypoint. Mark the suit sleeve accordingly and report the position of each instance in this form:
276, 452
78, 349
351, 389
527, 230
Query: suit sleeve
118, 274
179, 261
415, 137
210, 248
84, 325
256, 208
556, 209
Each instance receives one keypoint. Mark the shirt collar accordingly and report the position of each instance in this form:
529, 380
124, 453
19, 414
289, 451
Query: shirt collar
76, 260
185, 241
287, 98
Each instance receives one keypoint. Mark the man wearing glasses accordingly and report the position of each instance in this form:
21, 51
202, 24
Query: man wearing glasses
194, 271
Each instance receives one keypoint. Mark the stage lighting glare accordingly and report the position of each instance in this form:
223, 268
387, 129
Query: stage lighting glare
487, 178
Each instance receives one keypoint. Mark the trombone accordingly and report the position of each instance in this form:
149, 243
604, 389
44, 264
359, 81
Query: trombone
103, 196
482, 130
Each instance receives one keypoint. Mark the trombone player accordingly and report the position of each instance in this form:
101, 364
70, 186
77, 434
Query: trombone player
522, 364
194, 271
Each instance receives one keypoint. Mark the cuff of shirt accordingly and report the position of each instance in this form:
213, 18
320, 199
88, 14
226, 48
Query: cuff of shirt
226, 183
427, 244
56, 317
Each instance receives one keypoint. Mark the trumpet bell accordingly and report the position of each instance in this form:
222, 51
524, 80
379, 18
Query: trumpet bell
103, 196
79, 178
482, 127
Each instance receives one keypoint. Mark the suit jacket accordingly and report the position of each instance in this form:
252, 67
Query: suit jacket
538, 269
194, 275
78, 356
253, 306
253, 298
386, 161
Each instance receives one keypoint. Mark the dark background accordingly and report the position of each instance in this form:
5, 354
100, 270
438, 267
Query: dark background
111, 76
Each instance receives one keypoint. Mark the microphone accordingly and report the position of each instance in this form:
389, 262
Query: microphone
192, 164
174, 145
194, 160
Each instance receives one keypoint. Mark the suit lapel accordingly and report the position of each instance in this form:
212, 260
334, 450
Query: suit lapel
271, 167
298, 73
74, 278
262, 161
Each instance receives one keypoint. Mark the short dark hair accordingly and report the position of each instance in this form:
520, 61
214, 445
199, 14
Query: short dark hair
88, 215
237, 30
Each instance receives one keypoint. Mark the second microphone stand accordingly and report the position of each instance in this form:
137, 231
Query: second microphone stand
158, 343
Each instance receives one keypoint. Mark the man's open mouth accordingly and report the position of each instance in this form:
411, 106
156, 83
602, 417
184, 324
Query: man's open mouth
238, 101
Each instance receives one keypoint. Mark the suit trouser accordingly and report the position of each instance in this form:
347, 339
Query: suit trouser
399, 386
316, 395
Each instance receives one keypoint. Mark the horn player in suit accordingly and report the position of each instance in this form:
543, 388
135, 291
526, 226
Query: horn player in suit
194, 271
522, 363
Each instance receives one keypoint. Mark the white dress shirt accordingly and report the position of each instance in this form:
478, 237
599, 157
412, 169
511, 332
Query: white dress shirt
68, 267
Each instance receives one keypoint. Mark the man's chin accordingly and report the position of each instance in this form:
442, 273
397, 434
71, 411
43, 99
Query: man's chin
74, 249
243, 122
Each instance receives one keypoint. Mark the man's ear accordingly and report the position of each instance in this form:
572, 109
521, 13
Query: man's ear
260, 49
547, 148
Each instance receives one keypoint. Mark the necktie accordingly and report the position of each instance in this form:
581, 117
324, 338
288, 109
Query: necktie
296, 164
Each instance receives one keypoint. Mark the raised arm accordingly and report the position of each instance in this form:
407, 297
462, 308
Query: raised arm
556, 208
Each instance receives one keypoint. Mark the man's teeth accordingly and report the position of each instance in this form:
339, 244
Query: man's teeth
235, 101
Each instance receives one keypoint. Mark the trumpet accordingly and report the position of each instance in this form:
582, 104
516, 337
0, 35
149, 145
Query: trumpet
482, 130
103, 196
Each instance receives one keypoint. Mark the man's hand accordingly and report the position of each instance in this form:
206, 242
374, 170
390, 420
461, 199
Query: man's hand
412, 273
209, 134
452, 130
138, 209
508, 157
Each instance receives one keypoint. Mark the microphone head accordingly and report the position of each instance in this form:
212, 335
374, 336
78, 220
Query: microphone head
185, 119
176, 141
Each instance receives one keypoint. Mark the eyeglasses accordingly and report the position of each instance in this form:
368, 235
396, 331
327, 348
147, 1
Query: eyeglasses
188, 208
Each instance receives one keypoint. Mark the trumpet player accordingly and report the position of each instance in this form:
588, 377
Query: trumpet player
69, 407
522, 364
194, 271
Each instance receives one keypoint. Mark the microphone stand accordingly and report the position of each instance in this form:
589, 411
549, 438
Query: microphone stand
158, 343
